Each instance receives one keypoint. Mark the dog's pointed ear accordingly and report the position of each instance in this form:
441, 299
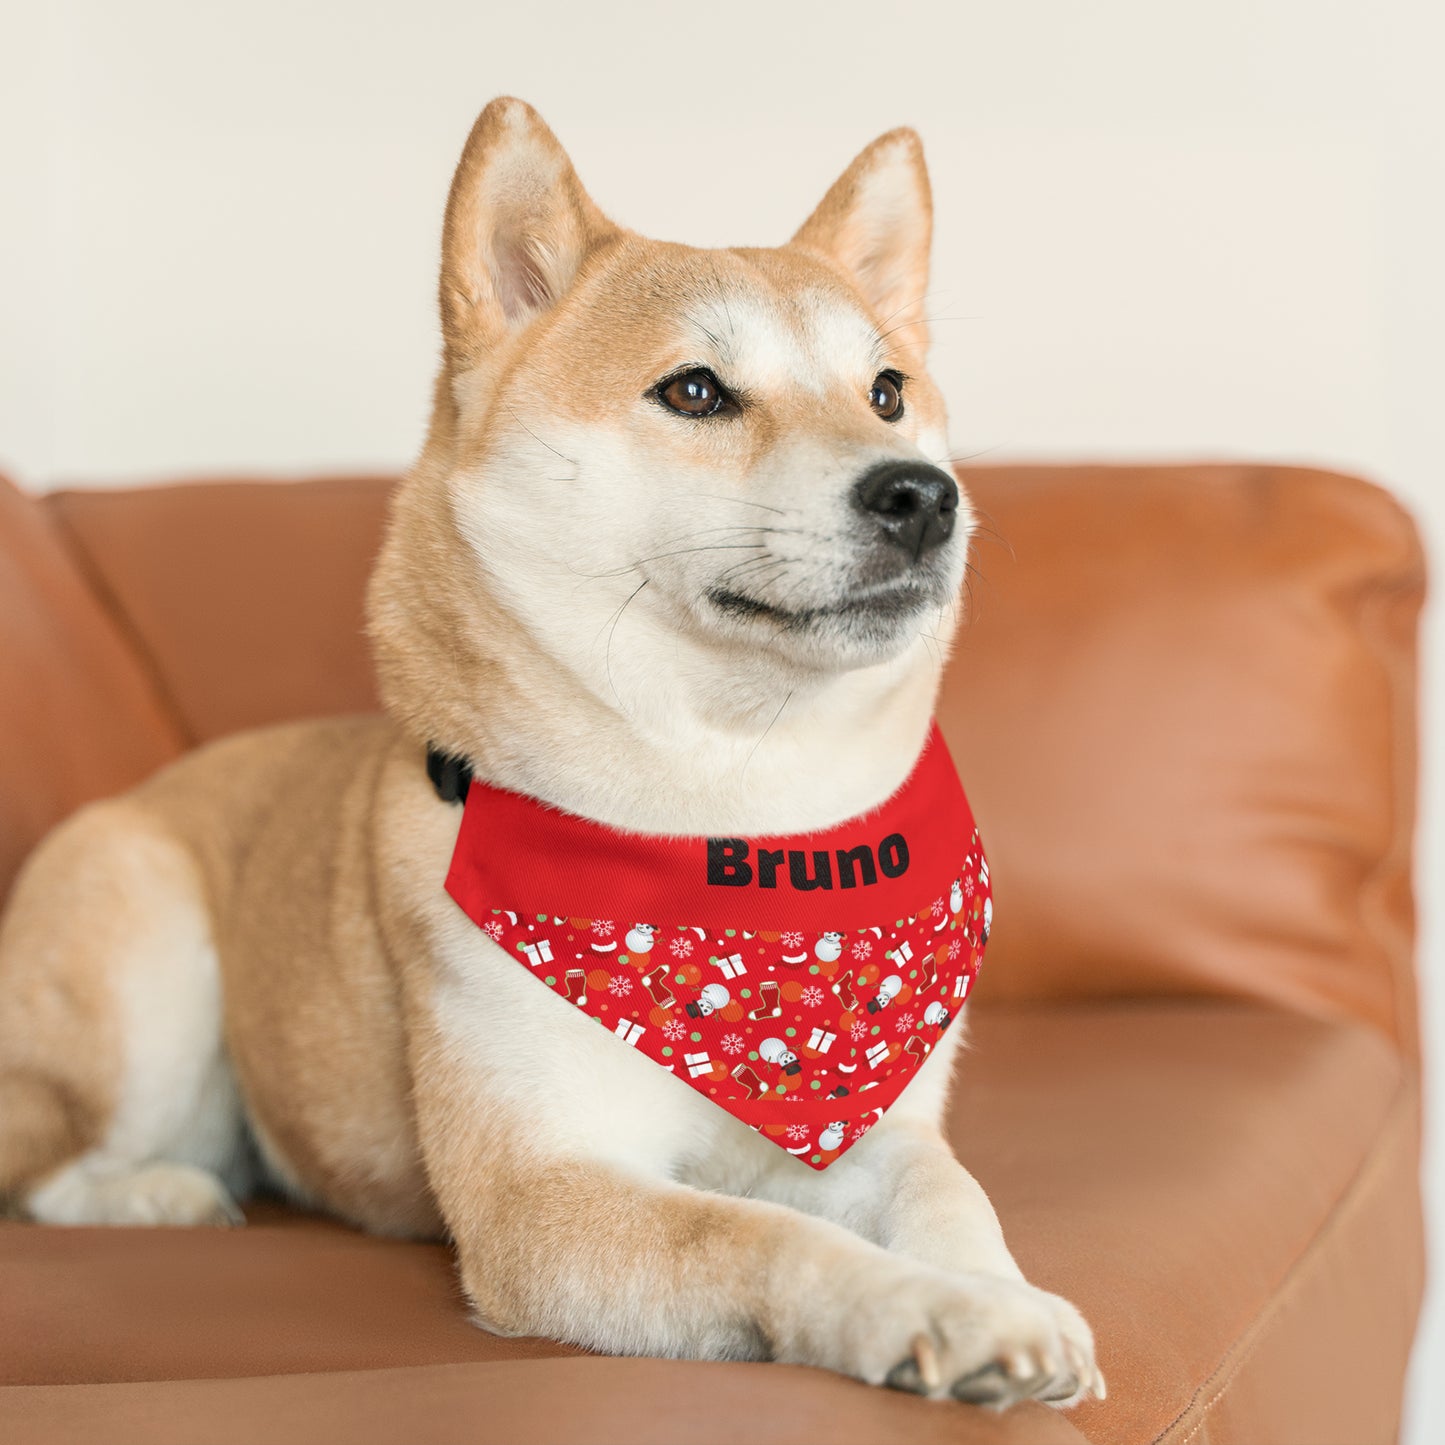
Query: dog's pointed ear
877, 223
518, 227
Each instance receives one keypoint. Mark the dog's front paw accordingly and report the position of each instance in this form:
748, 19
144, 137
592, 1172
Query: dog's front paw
979, 1338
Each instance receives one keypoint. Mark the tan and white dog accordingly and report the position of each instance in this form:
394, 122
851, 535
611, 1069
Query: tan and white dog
675, 556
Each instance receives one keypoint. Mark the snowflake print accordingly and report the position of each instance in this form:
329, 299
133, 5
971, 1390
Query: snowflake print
937, 909
969, 886
798, 1133
862, 949
792, 1098
955, 948
603, 927
681, 947
905, 1022
859, 1030
812, 997
619, 986
732, 1044
493, 929
861, 1130
673, 1030
791, 940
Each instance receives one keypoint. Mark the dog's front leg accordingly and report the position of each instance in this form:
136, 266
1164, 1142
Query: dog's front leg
618, 1259
902, 1189
582, 1251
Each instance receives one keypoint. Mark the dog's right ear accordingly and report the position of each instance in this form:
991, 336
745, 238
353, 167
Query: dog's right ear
518, 227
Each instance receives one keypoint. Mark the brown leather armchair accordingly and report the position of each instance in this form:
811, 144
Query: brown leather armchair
1185, 708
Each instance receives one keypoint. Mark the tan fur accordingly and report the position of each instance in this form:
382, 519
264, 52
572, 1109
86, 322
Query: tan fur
258, 936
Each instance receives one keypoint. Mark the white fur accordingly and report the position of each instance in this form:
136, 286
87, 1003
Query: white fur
175, 1140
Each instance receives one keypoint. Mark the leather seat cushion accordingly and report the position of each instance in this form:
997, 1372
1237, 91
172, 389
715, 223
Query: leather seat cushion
1225, 1190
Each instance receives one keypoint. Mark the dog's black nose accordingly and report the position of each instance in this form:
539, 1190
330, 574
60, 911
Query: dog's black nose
914, 504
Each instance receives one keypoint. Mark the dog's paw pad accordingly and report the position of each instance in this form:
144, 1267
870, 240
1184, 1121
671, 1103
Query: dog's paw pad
988, 1386
905, 1376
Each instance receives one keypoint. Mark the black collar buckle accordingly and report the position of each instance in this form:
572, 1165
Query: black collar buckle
450, 775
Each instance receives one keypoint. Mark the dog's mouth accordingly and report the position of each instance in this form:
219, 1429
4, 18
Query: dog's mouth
892, 602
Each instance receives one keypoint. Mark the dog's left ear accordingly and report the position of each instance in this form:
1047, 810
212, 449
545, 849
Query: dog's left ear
877, 223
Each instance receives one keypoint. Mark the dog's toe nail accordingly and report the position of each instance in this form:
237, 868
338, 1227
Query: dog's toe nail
926, 1357
1020, 1364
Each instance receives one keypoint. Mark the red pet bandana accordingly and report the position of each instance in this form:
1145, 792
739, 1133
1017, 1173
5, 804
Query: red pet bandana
796, 981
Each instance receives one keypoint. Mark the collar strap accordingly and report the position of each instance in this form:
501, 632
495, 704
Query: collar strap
450, 775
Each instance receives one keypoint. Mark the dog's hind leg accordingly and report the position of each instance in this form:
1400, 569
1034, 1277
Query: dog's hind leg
117, 1105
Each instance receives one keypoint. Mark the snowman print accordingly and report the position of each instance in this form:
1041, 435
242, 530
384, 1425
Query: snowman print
640, 936
713, 997
829, 947
776, 1052
888, 989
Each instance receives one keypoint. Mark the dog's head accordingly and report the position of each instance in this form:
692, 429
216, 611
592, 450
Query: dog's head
645, 455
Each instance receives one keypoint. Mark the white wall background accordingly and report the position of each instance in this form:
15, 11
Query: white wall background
1164, 229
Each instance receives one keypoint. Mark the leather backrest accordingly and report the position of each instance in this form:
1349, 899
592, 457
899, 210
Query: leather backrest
79, 715
247, 596
1185, 713
1183, 706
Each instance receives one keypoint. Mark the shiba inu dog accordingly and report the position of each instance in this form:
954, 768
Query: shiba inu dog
677, 556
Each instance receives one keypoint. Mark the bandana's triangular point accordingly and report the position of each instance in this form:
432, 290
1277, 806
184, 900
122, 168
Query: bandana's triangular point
796, 981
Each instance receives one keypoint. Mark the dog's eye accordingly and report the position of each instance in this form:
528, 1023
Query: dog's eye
694, 393
886, 397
